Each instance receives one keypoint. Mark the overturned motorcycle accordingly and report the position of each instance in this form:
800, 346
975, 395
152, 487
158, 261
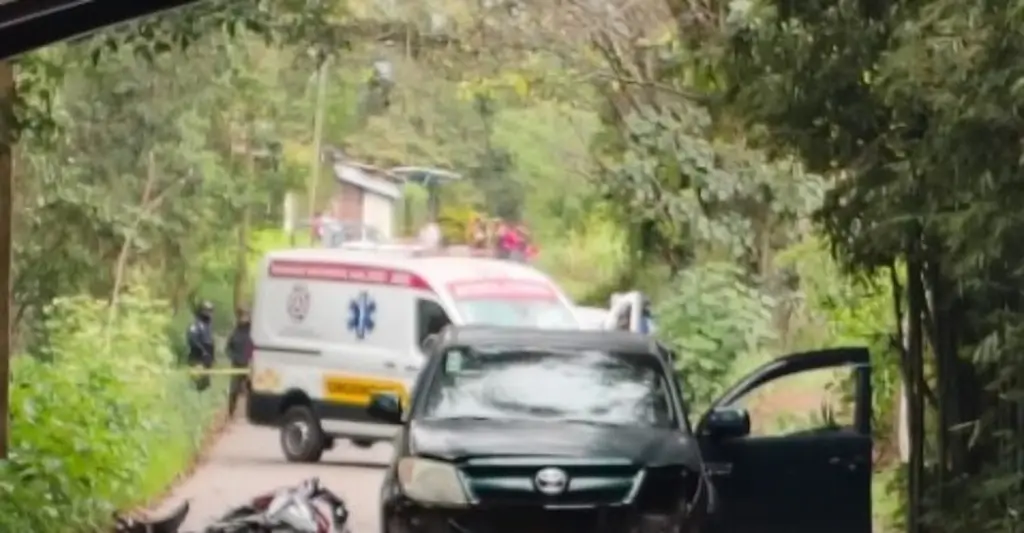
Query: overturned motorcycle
288, 510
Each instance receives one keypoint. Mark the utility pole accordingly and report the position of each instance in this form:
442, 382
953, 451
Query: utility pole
251, 153
6, 235
318, 134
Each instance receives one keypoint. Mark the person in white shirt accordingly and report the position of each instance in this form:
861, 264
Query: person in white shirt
430, 235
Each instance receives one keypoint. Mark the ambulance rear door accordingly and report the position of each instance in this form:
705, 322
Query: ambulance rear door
336, 331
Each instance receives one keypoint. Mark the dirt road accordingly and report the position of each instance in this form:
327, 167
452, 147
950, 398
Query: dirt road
247, 461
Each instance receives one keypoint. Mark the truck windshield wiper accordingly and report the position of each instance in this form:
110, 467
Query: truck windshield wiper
590, 422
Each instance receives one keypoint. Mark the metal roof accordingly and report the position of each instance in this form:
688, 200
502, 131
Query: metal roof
425, 175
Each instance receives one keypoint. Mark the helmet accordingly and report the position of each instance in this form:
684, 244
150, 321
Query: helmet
205, 309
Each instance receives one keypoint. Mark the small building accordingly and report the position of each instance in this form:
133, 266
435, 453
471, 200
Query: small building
366, 195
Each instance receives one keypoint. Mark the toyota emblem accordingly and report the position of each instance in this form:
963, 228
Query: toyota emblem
551, 481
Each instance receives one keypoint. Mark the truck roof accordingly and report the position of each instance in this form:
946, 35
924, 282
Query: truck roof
433, 268
604, 340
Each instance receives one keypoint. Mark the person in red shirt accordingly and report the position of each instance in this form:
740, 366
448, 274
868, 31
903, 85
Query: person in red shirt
508, 240
518, 242
319, 224
531, 252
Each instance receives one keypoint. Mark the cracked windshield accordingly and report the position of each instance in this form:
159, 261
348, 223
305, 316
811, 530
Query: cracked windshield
585, 387
264, 252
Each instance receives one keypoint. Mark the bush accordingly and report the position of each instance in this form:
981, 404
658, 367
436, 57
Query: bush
714, 321
103, 422
588, 263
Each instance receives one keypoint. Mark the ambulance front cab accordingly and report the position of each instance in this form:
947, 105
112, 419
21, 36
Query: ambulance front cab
331, 327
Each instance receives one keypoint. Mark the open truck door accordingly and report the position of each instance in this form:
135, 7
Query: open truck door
629, 311
803, 482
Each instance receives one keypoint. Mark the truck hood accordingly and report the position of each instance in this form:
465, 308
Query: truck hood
457, 439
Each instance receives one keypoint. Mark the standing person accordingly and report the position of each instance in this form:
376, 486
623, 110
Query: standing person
478, 233
531, 252
506, 240
492, 236
522, 242
238, 348
430, 235
200, 343
317, 227
647, 319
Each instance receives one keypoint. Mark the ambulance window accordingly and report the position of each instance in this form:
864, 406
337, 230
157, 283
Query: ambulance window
430, 319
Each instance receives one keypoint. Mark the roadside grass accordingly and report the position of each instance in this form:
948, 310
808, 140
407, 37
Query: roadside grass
885, 506
158, 475
173, 456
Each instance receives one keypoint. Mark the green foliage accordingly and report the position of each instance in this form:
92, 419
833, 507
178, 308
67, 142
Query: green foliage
589, 261
455, 222
684, 193
930, 177
713, 319
548, 144
152, 164
95, 427
841, 311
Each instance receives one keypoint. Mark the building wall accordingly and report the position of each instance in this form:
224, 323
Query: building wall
347, 204
379, 212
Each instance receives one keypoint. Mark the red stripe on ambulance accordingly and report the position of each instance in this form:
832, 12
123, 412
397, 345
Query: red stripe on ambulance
502, 289
346, 273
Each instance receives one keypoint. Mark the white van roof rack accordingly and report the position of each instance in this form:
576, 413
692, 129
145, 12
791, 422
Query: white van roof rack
385, 247
454, 251
413, 248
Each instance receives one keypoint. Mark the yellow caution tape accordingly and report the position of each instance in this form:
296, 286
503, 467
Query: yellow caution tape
200, 371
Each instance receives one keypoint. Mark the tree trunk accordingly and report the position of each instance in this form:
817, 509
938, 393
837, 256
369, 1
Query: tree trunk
7, 138
318, 133
126, 245
914, 363
242, 257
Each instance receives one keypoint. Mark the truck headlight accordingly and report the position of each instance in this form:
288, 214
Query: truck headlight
429, 481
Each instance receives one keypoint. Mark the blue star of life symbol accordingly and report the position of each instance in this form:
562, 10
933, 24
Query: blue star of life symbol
360, 315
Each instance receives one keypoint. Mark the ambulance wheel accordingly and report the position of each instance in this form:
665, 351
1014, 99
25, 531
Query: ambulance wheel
302, 440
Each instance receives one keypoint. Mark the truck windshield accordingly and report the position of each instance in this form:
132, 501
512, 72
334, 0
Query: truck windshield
590, 387
544, 314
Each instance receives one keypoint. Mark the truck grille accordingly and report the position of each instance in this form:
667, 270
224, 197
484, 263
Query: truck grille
511, 481
543, 521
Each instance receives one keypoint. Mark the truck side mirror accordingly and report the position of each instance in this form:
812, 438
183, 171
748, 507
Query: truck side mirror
727, 423
386, 407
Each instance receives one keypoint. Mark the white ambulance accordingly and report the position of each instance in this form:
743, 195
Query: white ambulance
332, 326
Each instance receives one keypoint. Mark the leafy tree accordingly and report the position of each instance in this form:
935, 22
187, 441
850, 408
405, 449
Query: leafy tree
911, 105
686, 194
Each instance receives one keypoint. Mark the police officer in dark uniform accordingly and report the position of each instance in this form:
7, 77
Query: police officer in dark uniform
200, 342
647, 319
239, 346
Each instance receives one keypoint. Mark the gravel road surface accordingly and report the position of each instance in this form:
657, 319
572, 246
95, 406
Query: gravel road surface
247, 461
